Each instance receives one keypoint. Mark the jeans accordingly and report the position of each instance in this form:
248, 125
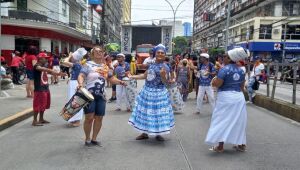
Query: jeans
249, 88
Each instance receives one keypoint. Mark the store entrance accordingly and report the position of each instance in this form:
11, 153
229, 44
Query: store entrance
22, 43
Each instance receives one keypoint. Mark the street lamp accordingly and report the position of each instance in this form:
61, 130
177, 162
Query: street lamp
174, 17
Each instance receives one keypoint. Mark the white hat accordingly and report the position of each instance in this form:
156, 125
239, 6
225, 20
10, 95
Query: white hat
237, 54
79, 53
121, 54
204, 55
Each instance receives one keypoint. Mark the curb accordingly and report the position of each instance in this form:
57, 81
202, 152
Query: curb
16, 118
280, 107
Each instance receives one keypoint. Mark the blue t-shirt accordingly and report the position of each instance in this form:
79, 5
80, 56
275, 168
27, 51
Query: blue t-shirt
120, 70
204, 79
233, 76
153, 79
75, 71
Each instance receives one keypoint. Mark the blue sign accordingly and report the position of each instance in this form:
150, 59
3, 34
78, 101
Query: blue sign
269, 46
95, 2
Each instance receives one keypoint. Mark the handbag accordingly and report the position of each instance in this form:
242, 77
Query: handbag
255, 85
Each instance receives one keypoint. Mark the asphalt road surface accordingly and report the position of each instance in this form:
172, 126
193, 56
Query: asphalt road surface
273, 143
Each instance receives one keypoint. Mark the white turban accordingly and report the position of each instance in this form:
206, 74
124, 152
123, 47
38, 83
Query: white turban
120, 55
79, 53
204, 55
238, 54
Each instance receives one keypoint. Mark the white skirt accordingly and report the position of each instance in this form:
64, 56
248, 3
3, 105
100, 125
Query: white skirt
229, 119
72, 86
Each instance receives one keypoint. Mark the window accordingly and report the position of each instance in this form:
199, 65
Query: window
292, 32
64, 8
22, 5
243, 34
265, 32
290, 8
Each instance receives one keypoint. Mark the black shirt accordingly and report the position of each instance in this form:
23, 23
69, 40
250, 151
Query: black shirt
40, 79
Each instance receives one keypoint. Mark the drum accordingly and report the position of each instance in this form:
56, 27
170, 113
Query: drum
175, 97
79, 100
131, 91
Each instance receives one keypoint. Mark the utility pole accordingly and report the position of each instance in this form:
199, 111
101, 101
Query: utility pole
227, 24
1, 93
284, 43
102, 26
174, 17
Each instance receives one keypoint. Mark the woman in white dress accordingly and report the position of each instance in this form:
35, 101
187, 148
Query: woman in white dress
229, 118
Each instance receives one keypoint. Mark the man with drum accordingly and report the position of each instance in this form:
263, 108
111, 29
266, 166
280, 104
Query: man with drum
121, 71
94, 74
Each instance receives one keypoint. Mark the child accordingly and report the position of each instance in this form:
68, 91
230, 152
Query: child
41, 99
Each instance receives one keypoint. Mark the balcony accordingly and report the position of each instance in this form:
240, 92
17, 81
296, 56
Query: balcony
26, 15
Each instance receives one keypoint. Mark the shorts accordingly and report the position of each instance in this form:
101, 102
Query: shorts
41, 101
114, 87
29, 74
56, 68
97, 106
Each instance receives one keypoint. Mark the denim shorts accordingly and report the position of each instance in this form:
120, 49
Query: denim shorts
97, 106
29, 74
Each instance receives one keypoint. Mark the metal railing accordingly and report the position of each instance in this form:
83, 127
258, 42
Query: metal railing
280, 73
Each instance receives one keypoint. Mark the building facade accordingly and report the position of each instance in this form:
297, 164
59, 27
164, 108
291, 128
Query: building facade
258, 25
55, 27
178, 26
113, 15
126, 17
187, 29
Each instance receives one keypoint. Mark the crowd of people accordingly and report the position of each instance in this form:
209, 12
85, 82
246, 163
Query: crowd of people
222, 83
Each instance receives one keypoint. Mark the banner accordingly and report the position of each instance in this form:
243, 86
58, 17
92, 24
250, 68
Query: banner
95, 2
166, 33
126, 38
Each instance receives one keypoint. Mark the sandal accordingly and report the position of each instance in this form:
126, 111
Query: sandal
142, 137
159, 138
240, 148
216, 149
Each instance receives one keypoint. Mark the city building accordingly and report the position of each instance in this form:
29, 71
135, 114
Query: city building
178, 26
187, 29
258, 25
55, 27
126, 17
112, 17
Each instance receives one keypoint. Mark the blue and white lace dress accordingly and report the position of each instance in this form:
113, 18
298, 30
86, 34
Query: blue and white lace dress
152, 113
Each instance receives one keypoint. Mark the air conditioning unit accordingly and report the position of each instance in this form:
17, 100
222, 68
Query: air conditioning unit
276, 31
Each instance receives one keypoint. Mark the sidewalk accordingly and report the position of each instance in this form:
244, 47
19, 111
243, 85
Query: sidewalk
15, 102
16, 107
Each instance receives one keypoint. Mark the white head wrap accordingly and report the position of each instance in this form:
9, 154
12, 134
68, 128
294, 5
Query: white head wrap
120, 54
238, 54
204, 55
79, 53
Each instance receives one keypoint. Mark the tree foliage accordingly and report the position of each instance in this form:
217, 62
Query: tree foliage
181, 43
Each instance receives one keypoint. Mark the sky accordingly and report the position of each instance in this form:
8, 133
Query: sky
160, 9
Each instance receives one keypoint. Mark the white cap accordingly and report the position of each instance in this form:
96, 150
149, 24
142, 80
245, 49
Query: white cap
238, 54
121, 54
79, 53
204, 55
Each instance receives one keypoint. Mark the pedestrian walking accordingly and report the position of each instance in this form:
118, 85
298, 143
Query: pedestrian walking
94, 73
206, 72
73, 61
56, 68
229, 118
30, 61
41, 99
16, 62
114, 64
258, 70
183, 77
153, 114
122, 71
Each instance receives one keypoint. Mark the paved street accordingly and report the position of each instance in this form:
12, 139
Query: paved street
273, 143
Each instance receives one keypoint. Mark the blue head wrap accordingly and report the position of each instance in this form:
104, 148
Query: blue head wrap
159, 47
